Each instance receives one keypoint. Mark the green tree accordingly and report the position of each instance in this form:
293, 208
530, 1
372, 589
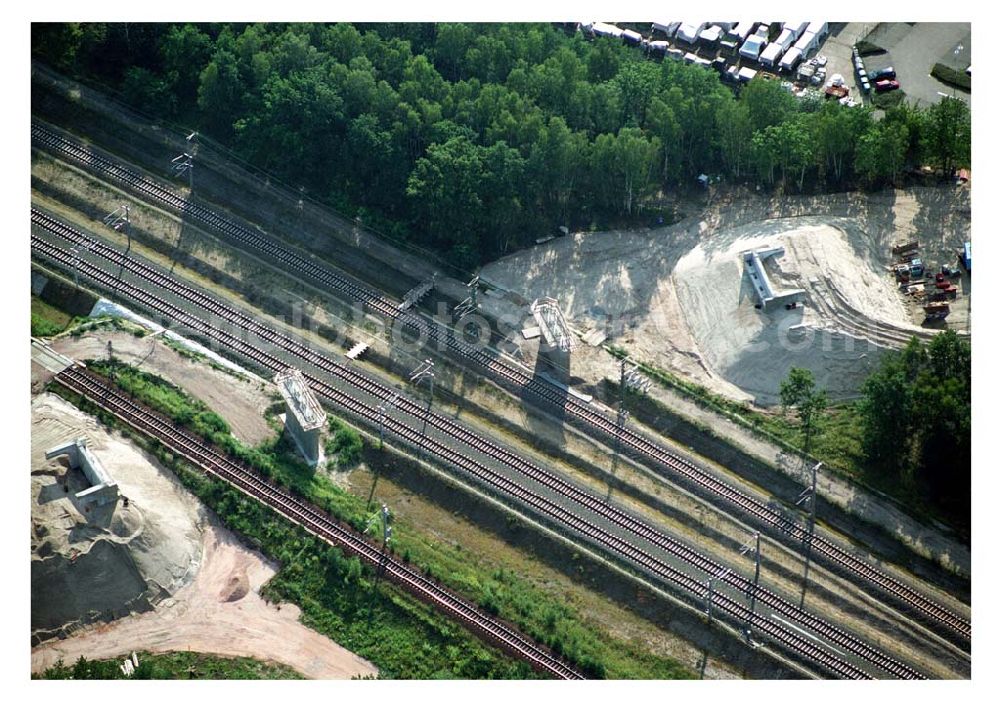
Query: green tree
917, 420
662, 122
57, 43
887, 409
556, 166
186, 51
949, 135
943, 404
799, 391
766, 151
378, 172
881, 152
299, 128
450, 47
837, 130
734, 136
221, 95
695, 96
149, 92
556, 84
466, 196
797, 150
604, 59
768, 104
623, 163
637, 82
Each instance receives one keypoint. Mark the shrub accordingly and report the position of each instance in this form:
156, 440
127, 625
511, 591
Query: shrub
946, 74
345, 444
40, 327
886, 101
866, 48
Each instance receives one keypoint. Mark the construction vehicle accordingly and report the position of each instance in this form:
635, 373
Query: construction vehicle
965, 256
944, 293
936, 311
905, 250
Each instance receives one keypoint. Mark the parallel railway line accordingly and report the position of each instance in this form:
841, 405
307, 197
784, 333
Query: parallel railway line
111, 399
309, 517
513, 376
463, 436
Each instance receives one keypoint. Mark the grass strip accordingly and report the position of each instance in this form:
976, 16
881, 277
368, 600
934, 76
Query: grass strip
171, 665
400, 635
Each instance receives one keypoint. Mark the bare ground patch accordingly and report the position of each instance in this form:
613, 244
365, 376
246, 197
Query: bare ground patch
239, 401
202, 582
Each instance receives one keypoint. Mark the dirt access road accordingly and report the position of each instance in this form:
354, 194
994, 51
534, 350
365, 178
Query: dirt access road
238, 400
648, 289
221, 612
216, 610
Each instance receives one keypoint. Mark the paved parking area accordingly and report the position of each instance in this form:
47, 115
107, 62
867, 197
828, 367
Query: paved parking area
913, 51
837, 49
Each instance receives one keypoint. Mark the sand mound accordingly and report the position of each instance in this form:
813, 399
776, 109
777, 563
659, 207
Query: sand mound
93, 563
236, 587
850, 306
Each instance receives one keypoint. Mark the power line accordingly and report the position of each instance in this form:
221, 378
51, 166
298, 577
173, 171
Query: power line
752, 590
119, 221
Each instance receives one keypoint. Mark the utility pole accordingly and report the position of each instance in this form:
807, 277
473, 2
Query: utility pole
809, 494
383, 406
958, 50
470, 303
425, 370
386, 518
120, 222
752, 590
710, 591
630, 378
75, 250
386, 537
812, 504
111, 367
185, 162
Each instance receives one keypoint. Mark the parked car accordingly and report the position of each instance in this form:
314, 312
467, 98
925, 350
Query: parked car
882, 73
886, 85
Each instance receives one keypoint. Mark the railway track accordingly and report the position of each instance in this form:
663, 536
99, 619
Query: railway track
309, 517
465, 437
193, 448
514, 377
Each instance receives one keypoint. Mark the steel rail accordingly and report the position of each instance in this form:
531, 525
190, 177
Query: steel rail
511, 374
99, 392
446, 425
308, 516
500, 483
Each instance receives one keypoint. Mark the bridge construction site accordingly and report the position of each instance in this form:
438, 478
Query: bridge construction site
765, 576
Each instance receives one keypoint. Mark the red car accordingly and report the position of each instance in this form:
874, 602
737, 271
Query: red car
886, 86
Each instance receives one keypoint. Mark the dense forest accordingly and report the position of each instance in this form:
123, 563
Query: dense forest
473, 140
917, 420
